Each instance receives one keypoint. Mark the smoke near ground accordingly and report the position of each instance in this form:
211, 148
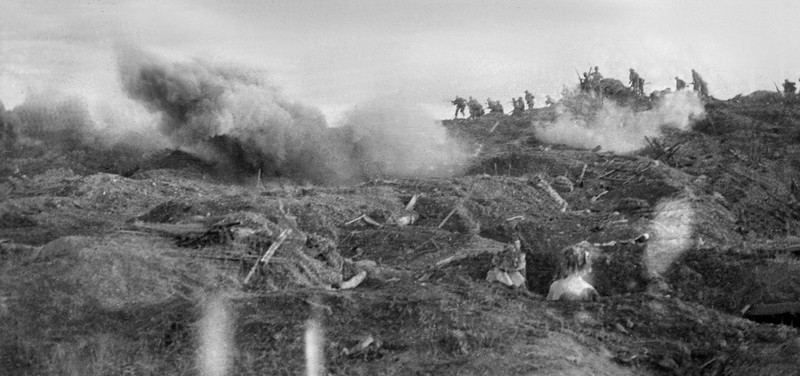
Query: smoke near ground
621, 129
402, 139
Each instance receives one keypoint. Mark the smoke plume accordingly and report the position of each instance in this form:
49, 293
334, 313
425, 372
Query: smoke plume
232, 114
199, 101
621, 129
397, 138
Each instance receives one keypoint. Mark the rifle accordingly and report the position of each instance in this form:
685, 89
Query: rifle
776, 87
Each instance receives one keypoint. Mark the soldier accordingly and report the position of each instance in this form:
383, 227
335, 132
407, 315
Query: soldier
460, 104
788, 87
699, 85
529, 99
498, 107
585, 83
596, 76
521, 104
549, 102
640, 86
679, 84
595, 80
517, 110
475, 108
634, 80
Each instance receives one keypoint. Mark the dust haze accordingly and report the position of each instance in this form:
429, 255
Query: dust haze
621, 129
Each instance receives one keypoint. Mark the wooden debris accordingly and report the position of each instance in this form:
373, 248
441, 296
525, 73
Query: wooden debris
455, 208
541, 183
412, 202
268, 254
580, 178
595, 198
354, 282
348, 223
371, 221
495, 126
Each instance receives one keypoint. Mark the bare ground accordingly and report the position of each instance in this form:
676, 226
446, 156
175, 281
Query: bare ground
106, 267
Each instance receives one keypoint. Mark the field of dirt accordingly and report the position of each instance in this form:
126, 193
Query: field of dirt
110, 258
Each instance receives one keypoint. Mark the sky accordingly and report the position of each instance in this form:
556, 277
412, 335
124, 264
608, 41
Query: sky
338, 54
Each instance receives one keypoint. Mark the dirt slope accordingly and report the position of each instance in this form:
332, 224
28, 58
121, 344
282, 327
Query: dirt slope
109, 274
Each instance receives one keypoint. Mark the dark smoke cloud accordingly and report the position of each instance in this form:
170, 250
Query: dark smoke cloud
198, 100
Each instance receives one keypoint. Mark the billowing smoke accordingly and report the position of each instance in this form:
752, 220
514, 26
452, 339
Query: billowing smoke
231, 114
396, 138
621, 129
203, 104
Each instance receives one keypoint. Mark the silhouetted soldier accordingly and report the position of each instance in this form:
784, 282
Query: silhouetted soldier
699, 85
595, 78
640, 86
679, 84
529, 99
460, 104
634, 81
789, 87
475, 108
586, 85
519, 106
549, 102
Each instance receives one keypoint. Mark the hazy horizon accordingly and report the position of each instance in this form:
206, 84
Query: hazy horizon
335, 55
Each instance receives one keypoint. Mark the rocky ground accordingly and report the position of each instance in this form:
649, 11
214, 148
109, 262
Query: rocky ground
110, 258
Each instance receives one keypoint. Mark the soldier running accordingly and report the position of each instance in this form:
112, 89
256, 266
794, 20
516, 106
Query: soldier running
460, 104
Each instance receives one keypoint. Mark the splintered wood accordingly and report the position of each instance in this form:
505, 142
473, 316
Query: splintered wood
268, 254
541, 183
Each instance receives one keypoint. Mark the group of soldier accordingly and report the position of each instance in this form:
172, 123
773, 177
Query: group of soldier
591, 83
476, 108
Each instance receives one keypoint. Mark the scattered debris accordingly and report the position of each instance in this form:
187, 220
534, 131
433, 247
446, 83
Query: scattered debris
268, 254
541, 183
354, 282
509, 266
601, 194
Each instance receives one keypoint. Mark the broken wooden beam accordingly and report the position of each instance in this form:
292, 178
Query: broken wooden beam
268, 254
